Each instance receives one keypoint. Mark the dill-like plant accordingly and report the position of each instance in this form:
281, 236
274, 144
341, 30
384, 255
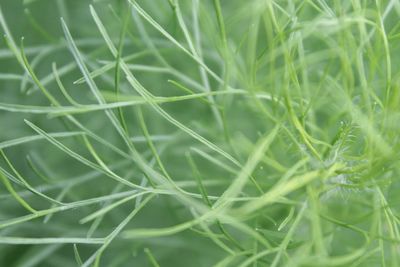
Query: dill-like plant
199, 133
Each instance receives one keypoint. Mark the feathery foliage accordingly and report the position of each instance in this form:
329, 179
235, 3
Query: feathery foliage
199, 133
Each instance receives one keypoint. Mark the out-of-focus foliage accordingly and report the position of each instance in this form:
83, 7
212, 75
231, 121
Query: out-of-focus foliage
199, 133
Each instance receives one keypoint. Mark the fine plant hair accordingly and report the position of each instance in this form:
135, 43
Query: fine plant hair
200, 133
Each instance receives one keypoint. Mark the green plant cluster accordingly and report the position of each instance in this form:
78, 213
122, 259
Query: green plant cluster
200, 133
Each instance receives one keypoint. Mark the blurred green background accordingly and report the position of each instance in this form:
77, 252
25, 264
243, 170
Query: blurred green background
310, 84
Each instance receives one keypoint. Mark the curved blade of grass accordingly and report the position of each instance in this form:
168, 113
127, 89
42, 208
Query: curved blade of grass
158, 27
69, 206
285, 188
49, 240
97, 255
241, 180
10, 189
32, 138
110, 207
80, 158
